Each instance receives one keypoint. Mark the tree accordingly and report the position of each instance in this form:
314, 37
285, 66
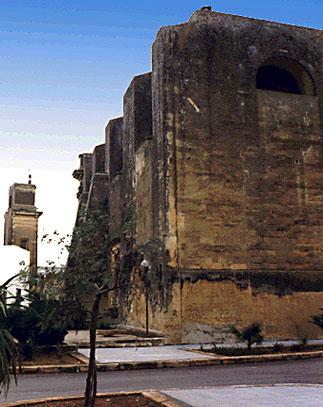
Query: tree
87, 280
8, 348
251, 334
318, 320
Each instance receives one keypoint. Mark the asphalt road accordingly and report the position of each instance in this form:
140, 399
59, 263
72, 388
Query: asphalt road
39, 386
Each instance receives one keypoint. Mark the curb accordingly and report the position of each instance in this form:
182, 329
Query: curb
163, 399
157, 397
212, 361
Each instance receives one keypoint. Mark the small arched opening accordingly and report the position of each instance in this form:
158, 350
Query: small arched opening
282, 74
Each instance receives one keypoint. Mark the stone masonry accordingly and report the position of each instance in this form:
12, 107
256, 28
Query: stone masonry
214, 176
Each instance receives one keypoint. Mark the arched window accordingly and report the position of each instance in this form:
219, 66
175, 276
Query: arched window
282, 74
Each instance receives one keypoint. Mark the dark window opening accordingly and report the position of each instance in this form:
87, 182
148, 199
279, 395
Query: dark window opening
282, 74
25, 198
274, 78
24, 244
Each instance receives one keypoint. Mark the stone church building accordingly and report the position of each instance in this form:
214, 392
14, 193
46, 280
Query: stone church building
213, 181
21, 220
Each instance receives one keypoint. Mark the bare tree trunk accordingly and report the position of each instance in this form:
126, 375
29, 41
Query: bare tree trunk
91, 380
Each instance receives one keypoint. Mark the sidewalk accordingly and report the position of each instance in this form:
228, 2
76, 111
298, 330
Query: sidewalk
169, 356
144, 354
287, 395
175, 352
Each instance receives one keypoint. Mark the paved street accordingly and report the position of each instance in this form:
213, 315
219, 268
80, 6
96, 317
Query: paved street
303, 371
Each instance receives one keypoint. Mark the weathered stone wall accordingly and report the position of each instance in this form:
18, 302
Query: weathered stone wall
84, 175
98, 194
97, 197
87, 168
206, 304
113, 147
115, 207
281, 317
287, 213
143, 192
98, 159
210, 122
167, 322
114, 166
137, 124
24, 226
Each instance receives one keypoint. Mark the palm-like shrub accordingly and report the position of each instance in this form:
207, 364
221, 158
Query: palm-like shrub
8, 348
38, 324
8, 359
251, 334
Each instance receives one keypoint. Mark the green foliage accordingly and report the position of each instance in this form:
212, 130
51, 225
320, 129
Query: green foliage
38, 324
304, 341
251, 334
277, 348
129, 219
87, 267
318, 320
8, 348
8, 359
74, 313
87, 278
234, 351
21, 322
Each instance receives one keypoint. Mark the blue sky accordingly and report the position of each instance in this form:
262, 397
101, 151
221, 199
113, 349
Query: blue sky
64, 66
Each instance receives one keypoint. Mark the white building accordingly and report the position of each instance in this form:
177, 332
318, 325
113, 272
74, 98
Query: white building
14, 259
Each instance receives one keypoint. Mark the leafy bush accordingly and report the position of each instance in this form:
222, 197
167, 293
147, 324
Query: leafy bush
318, 320
277, 347
251, 334
38, 324
21, 323
239, 351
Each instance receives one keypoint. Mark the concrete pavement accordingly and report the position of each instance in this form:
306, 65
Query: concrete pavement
170, 352
295, 395
144, 354
179, 356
